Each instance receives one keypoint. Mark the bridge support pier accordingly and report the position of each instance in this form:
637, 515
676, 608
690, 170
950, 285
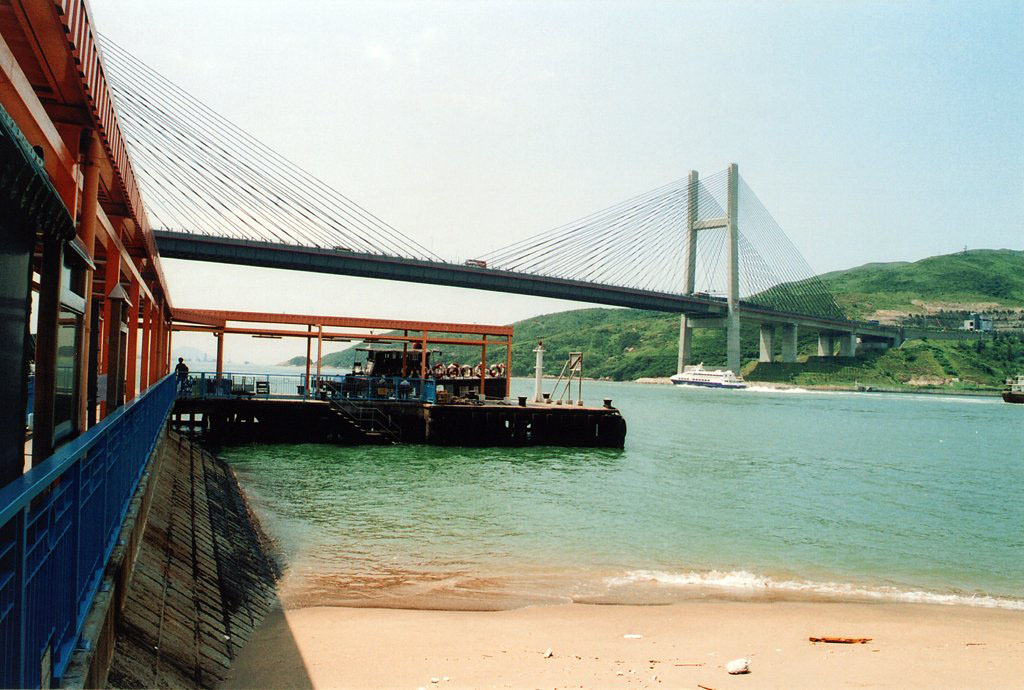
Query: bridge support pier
685, 340
767, 342
732, 217
789, 342
690, 270
848, 345
826, 346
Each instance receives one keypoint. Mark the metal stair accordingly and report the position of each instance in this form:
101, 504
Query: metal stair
369, 422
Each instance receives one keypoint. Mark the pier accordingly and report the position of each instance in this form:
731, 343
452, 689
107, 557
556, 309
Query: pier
247, 419
408, 390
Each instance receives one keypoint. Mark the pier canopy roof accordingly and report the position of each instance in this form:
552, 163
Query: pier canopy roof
416, 331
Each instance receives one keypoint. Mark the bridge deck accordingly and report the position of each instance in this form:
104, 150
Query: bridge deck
194, 247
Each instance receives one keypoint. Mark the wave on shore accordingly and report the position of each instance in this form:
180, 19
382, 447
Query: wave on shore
749, 585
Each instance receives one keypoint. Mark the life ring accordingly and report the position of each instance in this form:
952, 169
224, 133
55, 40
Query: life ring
477, 370
467, 370
438, 370
452, 370
493, 370
501, 369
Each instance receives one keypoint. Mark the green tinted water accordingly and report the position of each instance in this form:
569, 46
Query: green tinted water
717, 493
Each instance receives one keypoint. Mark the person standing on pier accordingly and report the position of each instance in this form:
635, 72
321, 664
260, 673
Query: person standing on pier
181, 371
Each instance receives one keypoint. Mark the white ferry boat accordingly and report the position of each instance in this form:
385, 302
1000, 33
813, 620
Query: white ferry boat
697, 375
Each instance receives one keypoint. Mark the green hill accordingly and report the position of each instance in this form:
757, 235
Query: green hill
981, 279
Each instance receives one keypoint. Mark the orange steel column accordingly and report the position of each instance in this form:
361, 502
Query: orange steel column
87, 233
483, 367
508, 366
154, 343
220, 353
167, 346
133, 341
309, 347
111, 277
405, 356
165, 341
147, 326
154, 340
423, 359
319, 351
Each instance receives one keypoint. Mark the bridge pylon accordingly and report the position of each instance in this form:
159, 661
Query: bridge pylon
731, 223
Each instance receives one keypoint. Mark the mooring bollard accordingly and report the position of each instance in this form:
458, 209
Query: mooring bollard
608, 403
522, 401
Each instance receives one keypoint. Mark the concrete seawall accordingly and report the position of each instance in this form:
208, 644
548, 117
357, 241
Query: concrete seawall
202, 582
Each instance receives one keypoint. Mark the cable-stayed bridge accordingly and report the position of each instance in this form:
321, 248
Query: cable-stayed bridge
705, 248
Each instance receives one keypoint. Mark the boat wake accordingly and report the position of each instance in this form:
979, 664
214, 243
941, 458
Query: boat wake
743, 584
771, 389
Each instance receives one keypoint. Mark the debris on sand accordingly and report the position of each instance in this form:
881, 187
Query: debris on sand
737, 667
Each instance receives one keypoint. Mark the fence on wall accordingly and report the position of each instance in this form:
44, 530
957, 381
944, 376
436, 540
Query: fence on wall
59, 523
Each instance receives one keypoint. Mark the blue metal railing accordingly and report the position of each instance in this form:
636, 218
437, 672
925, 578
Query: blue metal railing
292, 386
59, 523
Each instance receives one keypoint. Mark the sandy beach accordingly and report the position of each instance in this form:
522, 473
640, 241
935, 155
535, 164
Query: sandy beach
680, 646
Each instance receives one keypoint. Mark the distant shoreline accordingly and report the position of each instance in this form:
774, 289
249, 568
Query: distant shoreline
852, 388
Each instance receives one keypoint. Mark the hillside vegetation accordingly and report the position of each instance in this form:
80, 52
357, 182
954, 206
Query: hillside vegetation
981, 278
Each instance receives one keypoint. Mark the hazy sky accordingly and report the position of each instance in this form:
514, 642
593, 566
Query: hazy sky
872, 131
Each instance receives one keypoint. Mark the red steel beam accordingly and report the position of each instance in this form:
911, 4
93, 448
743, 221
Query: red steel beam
327, 335
213, 316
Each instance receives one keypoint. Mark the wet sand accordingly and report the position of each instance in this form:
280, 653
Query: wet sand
681, 645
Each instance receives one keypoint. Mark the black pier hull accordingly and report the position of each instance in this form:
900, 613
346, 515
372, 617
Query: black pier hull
248, 420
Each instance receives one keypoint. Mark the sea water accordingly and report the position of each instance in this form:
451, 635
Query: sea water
754, 494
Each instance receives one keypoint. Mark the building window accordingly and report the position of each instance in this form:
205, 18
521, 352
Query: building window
68, 385
69, 350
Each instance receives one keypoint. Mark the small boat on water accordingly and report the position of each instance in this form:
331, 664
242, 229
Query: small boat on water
697, 375
1014, 392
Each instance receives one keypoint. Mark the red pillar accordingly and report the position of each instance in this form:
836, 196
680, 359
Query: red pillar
508, 366
319, 350
156, 349
309, 347
111, 277
423, 359
133, 341
147, 327
483, 368
405, 356
87, 233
